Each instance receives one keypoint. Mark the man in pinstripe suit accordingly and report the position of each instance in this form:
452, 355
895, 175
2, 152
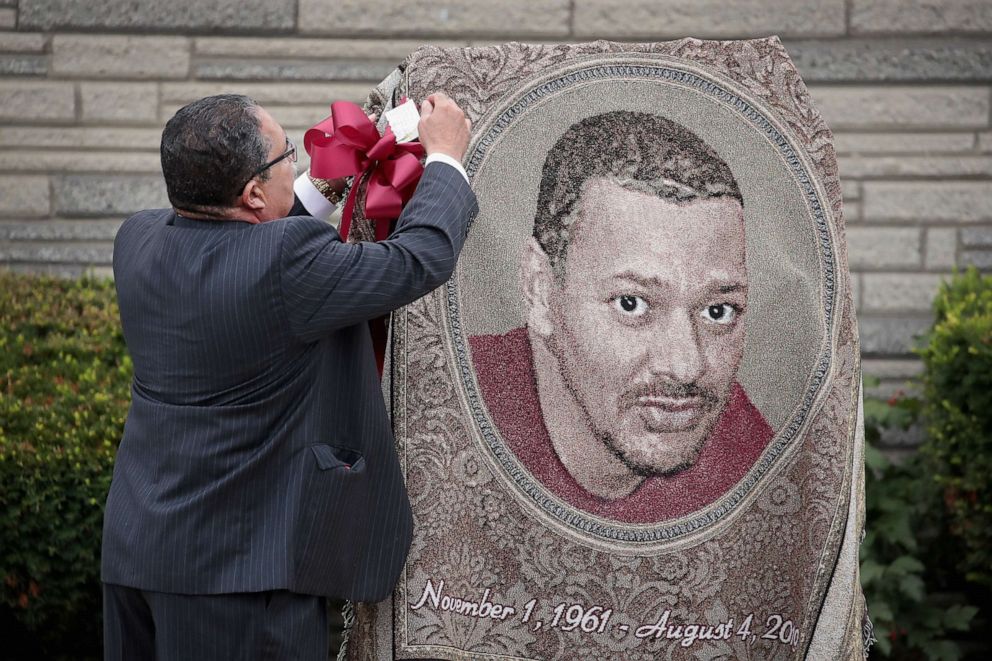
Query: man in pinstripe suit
257, 473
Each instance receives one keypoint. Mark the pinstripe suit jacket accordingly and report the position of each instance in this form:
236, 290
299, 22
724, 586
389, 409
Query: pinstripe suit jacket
257, 453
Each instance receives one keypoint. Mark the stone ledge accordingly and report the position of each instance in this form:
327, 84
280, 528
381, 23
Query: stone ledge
961, 201
239, 15
34, 101
890, 369
60, 230
78, 161
394, 50
883, 247
23, 65
20, 42
850, 189
515, 18
819, 61
672, 19
899, 292
68, 253
981, 259
123, 103
942, 248
903, 106
24, 196
120, 56
61, 270
920, 16
180, 94
976, 236
887, 61
891, 335
80, 137
862, 167
289, 117
277, 70
852, 211
903, 143
103, 195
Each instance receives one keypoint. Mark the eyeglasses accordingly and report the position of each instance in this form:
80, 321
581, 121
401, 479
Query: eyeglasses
289, 153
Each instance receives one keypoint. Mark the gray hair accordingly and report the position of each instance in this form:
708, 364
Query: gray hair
210, 149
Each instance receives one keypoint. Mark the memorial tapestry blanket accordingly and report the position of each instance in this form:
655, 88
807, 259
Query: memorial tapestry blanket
630, 423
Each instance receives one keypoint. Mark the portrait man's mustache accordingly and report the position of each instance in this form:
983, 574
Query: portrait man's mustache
665, 406
671, 396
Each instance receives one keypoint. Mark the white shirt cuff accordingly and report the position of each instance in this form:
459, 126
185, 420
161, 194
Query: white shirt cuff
444, 158
313, 200
318, 205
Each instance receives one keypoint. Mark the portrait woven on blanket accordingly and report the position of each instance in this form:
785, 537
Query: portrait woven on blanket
630, 422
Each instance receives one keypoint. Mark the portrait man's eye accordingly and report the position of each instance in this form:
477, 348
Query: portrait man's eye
724, 314
629, 305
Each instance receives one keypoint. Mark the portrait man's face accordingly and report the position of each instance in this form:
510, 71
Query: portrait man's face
645, 320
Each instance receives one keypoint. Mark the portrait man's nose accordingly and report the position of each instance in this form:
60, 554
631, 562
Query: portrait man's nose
673, 349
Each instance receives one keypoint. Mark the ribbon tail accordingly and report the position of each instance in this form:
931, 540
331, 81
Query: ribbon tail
349, 210
383, 228
379, 329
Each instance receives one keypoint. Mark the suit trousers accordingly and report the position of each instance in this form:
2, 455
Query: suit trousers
140, 625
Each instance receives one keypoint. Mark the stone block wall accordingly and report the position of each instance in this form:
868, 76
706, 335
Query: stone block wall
906, 86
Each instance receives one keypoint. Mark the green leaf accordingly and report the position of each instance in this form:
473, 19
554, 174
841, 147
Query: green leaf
883, 645
942, 650
906, 564
912, 586
880, 612
874, 459
870, 572
958, 617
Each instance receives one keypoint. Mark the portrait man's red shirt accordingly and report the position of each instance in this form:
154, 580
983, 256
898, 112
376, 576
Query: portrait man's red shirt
505, 373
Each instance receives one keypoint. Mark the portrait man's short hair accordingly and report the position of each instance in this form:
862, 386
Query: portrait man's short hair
639, 151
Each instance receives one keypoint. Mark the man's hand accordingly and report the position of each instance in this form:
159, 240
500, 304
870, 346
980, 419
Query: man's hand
443, 127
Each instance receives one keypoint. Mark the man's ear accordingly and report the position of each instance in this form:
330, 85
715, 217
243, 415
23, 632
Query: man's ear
537, 280
253, 197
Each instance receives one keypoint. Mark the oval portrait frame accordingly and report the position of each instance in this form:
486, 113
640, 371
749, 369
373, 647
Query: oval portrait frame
549, 508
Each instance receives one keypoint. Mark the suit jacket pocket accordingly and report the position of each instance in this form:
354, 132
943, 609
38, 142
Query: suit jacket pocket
333, 537
333, 457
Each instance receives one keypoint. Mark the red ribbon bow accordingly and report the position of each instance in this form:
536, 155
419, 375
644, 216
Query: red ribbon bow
348, 144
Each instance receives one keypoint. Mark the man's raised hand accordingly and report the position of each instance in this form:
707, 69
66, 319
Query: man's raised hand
443, 127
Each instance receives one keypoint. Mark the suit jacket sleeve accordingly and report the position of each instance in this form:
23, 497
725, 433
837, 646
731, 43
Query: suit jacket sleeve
328, 284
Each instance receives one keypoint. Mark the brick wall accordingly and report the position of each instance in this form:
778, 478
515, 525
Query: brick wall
85, 88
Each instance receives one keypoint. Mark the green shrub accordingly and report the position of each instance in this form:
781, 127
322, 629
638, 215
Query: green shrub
63, 400
902, 508
958, 413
